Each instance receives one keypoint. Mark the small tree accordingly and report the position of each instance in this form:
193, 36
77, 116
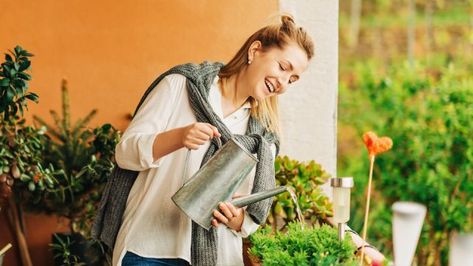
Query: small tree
21, 146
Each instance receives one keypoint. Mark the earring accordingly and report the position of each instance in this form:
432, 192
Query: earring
249, 62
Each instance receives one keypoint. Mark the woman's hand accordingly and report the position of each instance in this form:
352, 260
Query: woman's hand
197, 134
229, 215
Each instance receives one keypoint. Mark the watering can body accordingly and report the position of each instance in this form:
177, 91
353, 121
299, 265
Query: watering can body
215, 182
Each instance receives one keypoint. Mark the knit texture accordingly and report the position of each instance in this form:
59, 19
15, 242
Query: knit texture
257, 140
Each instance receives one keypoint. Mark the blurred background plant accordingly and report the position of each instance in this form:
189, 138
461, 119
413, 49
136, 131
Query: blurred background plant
407, 74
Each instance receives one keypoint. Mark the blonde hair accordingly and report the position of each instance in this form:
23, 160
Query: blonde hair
277, 35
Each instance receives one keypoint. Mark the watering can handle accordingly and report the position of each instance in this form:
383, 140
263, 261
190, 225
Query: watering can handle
186, 162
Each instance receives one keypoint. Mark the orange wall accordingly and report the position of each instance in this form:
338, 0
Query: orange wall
110, 51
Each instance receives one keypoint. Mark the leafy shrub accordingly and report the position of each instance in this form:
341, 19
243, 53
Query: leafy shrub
21, 146
305, 179
302, 246
429, 119
83, 158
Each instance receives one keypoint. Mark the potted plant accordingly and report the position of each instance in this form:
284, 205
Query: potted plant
83, 159
301, 245
21, 145
304, 180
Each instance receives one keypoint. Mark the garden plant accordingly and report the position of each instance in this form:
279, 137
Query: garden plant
429, 119
302, 245
84, 159
21, 146
305, 179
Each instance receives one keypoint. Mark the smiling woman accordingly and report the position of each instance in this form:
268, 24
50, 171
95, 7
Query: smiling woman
200, 107
271, 58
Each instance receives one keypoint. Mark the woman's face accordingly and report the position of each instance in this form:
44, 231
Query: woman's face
272, 71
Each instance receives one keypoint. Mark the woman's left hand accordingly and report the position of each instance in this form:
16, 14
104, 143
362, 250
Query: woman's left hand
229, 215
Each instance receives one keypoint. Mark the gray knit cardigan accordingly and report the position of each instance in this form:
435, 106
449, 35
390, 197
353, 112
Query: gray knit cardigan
257, 140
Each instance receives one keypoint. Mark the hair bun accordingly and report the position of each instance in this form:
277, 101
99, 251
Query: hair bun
287, 19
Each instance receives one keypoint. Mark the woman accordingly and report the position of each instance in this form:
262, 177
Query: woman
192, 107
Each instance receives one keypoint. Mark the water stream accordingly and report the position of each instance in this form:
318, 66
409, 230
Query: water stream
300, 217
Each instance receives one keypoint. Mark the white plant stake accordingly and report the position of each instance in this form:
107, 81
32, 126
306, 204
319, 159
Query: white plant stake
461, 249
408, 218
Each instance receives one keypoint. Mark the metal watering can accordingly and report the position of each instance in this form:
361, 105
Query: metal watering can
216, 181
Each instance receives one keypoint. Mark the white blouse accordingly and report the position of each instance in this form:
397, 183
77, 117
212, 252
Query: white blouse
153, 226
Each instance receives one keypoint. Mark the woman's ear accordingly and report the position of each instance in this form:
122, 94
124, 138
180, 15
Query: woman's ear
254, 48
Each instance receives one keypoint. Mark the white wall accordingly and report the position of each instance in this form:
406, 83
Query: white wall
309, 109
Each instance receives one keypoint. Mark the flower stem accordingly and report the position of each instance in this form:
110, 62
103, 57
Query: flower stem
367, 210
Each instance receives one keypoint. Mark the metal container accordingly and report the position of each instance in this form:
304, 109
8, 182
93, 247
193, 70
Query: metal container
215, 182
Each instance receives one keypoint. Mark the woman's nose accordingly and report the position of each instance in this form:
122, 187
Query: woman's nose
283, 82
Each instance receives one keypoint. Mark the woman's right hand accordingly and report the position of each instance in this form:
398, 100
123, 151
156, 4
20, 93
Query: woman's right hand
197, 134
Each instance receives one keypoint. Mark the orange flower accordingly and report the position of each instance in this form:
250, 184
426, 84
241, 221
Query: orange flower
36, 178
376, 145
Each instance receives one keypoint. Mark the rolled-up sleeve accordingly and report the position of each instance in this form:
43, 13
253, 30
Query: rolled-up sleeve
135, 149
248, 227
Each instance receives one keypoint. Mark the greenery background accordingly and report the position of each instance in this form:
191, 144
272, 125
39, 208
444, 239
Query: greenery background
417, 89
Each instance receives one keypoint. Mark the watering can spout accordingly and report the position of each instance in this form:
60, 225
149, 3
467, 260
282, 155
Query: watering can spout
246, 200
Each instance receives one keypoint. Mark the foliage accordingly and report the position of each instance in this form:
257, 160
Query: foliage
21, 146
61, 248
305, 180
302, 246
14, 84
84, 158
428, 116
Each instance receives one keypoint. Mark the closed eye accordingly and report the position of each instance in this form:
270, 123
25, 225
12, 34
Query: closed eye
293, 79
281, 67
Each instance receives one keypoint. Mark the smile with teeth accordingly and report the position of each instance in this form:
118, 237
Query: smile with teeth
270, 86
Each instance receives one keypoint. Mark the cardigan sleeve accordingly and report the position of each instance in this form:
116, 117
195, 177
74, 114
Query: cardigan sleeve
135, 149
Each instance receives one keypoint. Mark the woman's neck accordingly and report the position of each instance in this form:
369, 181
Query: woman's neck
233, 94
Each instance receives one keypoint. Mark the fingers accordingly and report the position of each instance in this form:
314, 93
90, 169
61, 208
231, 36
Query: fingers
205, 129
215, 223
225, 210
227, 214
220, 217
215, 131
235, 212
198, 134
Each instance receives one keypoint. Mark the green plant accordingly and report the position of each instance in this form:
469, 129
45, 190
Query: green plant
21, 146
429, 118
14, 83
305, 179
301, 245
61, 248
84, 159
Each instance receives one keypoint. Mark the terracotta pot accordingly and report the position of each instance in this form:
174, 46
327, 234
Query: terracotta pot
248, 259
